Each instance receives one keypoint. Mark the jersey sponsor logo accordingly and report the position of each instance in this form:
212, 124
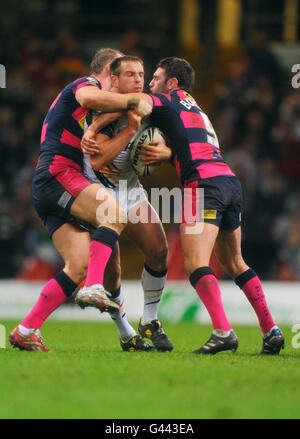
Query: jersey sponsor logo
189, 102
92, 80
81, 122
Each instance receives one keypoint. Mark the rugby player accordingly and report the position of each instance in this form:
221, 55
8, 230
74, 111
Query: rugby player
63, 196
127, 76
199, 164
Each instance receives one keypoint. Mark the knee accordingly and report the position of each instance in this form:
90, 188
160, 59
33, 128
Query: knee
77, 271
113, 217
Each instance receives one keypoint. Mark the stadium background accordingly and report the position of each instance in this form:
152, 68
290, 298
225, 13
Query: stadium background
242, 51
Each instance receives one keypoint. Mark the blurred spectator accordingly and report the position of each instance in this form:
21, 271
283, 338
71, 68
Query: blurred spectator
262, 60
286, 231
69, 60
258, 127
33, 62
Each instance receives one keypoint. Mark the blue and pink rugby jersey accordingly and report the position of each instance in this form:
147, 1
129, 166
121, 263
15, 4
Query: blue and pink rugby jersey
195, 147
63, 128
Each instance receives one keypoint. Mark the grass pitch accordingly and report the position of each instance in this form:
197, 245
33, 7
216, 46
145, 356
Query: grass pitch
88, 376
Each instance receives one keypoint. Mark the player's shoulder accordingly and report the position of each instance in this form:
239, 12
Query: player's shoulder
170, 99
88, 79
161, 100
162, 96
82, 82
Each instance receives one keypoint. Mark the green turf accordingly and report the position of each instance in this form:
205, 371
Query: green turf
89, 376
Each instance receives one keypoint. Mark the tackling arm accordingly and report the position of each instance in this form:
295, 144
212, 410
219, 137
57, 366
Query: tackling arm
109, 148
88, 141
110, 102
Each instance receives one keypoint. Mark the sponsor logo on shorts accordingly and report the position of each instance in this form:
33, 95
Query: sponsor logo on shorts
64, 199
209, 214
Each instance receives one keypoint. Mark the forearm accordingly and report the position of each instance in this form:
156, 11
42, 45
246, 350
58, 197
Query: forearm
110, 102
106, 101
111, 148
103, 120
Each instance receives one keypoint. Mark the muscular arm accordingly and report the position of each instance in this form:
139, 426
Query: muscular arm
103, 120
109, 148
89, 145
106, 101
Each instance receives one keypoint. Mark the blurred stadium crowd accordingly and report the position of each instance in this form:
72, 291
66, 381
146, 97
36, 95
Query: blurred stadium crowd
257, 119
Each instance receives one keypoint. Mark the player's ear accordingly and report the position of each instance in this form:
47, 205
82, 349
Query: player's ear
114, 81
107, 68
172, 84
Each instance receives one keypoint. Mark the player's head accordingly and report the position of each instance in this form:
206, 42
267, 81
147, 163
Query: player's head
127, 74
102, 60
172, 73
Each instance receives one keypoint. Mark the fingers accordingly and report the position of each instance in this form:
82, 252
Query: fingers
89, 150
148, 148
88, 142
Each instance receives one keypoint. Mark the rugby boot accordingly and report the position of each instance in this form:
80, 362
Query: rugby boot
273, 343
97, 297
154, 331
31, 342
217, 344
136, 343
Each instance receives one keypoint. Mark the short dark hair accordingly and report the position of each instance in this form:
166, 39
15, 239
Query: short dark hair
115, 66
101, 58
180, 69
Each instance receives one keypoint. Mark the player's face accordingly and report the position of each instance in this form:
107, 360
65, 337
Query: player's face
131, 78
158, 82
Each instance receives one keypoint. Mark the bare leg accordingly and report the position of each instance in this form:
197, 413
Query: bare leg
228, 251
73, 245
95, 205
197, 249
150, 238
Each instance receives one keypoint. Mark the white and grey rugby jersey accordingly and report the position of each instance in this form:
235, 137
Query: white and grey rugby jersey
120, 168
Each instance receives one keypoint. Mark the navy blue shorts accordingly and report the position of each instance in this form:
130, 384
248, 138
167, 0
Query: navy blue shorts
53, 202
222, 202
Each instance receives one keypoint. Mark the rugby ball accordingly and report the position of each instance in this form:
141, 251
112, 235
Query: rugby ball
146, 136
